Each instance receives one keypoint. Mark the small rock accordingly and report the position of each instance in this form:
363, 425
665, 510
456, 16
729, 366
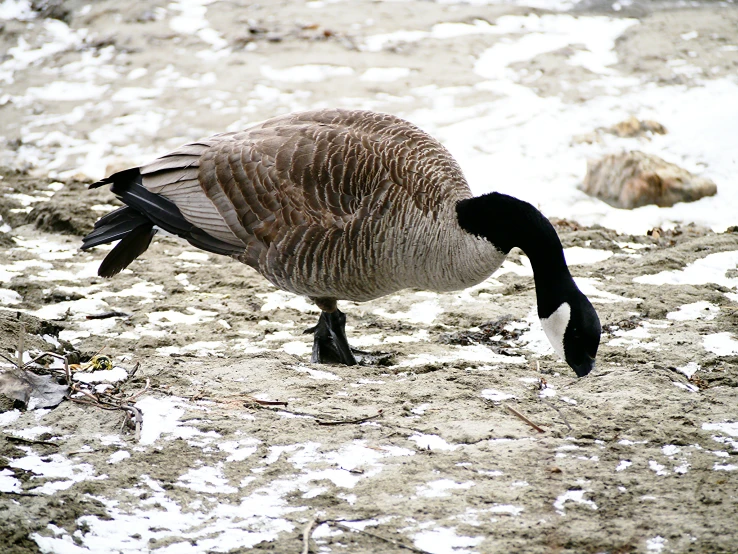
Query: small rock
633, 179
634, 127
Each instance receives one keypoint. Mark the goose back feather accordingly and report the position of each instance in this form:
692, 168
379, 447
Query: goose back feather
341, 204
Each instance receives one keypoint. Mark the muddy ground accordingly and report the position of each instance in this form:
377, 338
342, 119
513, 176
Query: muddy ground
640, 456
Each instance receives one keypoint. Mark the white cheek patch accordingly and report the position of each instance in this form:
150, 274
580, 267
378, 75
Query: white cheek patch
555, 326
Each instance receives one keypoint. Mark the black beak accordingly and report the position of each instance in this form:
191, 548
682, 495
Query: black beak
583, 369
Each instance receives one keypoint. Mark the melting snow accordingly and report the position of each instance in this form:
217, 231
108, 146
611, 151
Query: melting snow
439, 488
697, 310
495, 395
443, 540
576, 496
581, 256
431, 442
710, 269
721, 344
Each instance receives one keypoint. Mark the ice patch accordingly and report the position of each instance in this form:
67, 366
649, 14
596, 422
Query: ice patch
440, 488
655, 545
727, 428
697, 310
632, 338
281, 300
161, 418
541, 34
113, 375
421, 312
535, 338
576, 496
297, 348
657, 467
710, 269
201, 349
16, 9
194, 256
506, 509
240, 449
721, 344
8, 297
623, 465
118, 456
690, 369
688, 387
317, 373
431, 442
577, 255
226, 527
60, 472
8, 482
11, 416
444, 540
670, 449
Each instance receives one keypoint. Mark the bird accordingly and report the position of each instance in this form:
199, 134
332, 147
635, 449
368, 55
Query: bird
340, 204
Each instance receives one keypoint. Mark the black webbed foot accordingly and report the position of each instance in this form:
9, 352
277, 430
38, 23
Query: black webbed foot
329, 344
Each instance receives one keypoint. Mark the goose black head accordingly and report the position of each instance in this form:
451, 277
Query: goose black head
574, 332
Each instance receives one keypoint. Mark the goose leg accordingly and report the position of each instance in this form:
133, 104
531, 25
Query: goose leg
329, 343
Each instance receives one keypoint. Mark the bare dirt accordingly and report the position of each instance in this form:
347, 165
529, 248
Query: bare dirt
625, 462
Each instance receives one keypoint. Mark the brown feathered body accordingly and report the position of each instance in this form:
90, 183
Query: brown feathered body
331, 204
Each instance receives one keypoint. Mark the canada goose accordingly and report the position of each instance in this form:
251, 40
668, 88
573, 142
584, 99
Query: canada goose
344, 205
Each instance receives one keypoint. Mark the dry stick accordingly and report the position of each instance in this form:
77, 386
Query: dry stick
11, 438
139, 393
266, 402
521, 416
133, 372
380, 537
21, 339
306, 534
349, 421
560, 412
107, 315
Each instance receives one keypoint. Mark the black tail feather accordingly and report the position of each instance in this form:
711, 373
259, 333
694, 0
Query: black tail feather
114, 226
128, 249
134, 224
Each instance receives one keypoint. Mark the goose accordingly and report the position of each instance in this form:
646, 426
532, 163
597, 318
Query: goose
341, 204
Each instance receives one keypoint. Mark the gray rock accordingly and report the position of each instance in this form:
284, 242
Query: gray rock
633, 179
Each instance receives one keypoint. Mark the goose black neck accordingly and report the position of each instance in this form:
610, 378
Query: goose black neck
507, 223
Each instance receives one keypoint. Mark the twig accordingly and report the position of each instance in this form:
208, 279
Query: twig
349, 421
266, 402
380, 537
11, 438
525, 419
306, 533
559, 411
137, 418
107, 315
133, 371
139, 393
12, 362
21, 340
